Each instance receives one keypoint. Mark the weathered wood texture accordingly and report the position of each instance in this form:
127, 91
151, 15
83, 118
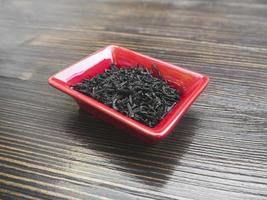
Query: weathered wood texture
50, 150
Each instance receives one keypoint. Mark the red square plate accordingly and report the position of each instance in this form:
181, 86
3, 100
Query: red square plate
189, 83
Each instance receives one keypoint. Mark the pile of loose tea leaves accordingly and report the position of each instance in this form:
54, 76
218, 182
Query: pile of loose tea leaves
133, 92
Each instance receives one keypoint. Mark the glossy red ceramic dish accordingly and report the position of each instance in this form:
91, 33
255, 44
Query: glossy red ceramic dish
190, 84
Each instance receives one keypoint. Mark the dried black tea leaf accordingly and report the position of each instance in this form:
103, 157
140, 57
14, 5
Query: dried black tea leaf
136, 92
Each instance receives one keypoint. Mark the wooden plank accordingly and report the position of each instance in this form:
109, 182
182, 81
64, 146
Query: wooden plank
50, 150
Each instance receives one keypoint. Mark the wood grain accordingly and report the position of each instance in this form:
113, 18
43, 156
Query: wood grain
50, 150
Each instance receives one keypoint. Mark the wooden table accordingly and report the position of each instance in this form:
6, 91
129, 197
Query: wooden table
50, 150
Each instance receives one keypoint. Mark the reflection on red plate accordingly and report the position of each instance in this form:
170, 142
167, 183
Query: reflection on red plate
190, 84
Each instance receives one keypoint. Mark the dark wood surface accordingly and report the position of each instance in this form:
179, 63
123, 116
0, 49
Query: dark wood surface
50, 150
